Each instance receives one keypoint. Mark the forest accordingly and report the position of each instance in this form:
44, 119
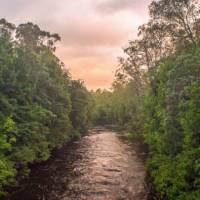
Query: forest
155, 97
41, 107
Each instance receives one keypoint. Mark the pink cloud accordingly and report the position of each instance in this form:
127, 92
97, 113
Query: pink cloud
93, 31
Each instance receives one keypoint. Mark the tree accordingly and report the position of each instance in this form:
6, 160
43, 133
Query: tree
36, 100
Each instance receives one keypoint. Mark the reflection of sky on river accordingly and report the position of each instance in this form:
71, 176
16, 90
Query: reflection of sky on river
109, 170
100, 166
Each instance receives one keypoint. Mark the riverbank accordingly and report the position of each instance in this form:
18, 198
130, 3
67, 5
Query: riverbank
101, 165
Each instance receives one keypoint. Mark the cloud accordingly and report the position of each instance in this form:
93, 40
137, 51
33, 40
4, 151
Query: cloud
113, 6
92, 31
96, 32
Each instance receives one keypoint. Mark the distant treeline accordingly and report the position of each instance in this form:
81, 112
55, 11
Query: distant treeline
156, 96
41, 107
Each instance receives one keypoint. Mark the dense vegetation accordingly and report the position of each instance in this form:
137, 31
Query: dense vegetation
156, 96
41, 107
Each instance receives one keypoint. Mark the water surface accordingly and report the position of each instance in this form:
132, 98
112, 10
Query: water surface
100, 166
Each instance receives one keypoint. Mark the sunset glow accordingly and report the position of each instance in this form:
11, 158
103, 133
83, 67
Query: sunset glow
93, 32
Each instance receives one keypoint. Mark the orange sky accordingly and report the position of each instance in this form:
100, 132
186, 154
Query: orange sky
93, 31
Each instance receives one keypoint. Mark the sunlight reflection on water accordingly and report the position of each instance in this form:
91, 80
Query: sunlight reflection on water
101, 166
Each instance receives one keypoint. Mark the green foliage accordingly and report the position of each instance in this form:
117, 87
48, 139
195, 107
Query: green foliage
172, 127
41, 108
117, 106
156, 96
81, 106
7, 172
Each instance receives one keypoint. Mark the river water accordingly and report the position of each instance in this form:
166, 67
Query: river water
100, 166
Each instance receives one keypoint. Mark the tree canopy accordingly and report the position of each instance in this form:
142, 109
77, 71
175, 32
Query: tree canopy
41, 107
156, 96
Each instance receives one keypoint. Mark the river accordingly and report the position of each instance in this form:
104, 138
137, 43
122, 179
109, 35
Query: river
100, 166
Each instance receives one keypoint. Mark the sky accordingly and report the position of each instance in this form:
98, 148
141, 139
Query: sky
93, 32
